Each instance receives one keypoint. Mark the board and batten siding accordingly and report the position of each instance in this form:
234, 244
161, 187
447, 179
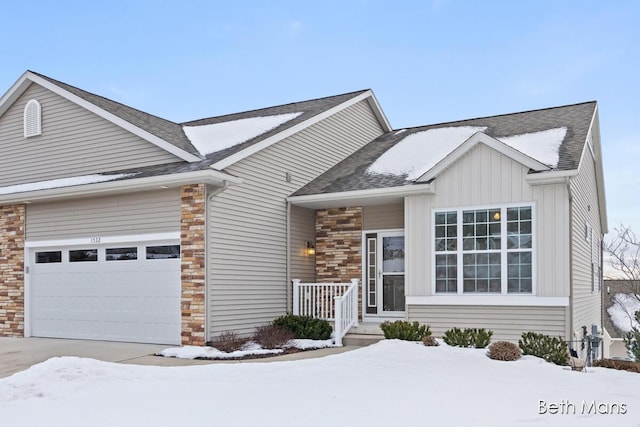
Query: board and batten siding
586, 304
381, 217
116, 215
507, 322
247, 223
74, 142
485, 177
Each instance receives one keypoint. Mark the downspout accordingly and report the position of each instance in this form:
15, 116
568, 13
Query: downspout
288, 259
209, 197
570, 330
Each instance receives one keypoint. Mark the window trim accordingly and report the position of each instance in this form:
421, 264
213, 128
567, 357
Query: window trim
503, 251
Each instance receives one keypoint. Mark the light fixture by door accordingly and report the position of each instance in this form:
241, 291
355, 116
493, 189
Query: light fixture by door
310, 249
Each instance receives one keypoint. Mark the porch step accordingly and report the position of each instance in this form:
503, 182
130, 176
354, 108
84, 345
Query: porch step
366, 329
361, 340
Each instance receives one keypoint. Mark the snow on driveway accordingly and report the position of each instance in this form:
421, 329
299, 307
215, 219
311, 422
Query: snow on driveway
392, 383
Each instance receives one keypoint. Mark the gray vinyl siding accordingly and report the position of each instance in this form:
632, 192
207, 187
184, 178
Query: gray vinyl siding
118, 215
585, 210
74, 142
485, 177
303, 230
507, 322
247, 245
382, 217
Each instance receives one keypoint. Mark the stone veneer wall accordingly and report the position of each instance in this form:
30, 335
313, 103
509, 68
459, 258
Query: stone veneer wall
193, 201
12, 220
339, 246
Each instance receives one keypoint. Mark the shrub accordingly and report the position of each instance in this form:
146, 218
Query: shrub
305, 327
632, 340
429, 341
272, 336
228, 341
551, 349
622, 365
504, 350
403, 330
468, 337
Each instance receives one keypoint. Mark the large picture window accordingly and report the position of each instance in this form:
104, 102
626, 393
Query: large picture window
485, 250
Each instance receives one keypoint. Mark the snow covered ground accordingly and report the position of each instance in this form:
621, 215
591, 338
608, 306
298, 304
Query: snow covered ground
392, 383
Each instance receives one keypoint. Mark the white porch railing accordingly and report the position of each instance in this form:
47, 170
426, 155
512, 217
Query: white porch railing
337, 302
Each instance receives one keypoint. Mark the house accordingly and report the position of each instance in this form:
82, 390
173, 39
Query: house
618, 308
494, 222
119, 225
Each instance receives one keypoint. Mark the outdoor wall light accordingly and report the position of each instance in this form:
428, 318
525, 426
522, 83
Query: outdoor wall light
311, 250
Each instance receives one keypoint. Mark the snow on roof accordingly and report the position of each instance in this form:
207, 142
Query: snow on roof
217, 136
62, 182
418, 152
622, 311
542, 146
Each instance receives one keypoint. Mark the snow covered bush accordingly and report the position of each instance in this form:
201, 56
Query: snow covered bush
228, 341
305, 327
468, 337
551, 349
403, 330
504, 350
272, 336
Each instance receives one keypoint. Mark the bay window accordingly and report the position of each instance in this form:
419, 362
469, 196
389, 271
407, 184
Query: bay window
486, 250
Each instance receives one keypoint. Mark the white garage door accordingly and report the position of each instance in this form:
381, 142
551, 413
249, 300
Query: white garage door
116, 292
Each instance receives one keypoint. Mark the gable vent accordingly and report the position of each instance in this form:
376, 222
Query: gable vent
32, 122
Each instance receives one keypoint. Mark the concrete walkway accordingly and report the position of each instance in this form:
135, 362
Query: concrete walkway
17, 354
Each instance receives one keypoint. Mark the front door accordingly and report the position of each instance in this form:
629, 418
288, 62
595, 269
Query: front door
384, 292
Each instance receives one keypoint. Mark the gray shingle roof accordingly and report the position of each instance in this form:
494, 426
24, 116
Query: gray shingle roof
164, 129
173, 133
611, 288
308, 109
352, 174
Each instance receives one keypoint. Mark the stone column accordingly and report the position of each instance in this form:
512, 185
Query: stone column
12, 221
192, 243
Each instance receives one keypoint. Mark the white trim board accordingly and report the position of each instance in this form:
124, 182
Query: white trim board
104, 240
484, 300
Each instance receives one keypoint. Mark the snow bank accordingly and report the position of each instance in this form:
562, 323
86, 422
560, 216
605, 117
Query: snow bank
390, 383
215, 137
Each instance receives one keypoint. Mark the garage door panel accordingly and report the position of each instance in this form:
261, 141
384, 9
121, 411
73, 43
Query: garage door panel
121, 300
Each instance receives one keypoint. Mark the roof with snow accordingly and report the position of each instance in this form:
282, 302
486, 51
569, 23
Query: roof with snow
552, 137
232, 132
618, 306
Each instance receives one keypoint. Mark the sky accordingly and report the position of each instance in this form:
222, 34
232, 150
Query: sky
427, 61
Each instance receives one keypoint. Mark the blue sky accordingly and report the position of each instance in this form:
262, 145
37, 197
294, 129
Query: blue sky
427, 61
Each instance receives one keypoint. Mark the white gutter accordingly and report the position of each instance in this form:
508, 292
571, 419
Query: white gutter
552, 177
361, 195
207, 176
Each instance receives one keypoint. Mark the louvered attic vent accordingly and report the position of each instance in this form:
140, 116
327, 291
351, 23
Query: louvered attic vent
32, 122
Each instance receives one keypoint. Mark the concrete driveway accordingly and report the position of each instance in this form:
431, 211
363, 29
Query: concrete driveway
18, 354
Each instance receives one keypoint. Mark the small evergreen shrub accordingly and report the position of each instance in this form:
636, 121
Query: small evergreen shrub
632, 340
429, 341
504, 350
403, 330
228, 341
622, 365
551, 349
305, 327
272, 336
468, 337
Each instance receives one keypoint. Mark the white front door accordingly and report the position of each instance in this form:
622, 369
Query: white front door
384, 284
